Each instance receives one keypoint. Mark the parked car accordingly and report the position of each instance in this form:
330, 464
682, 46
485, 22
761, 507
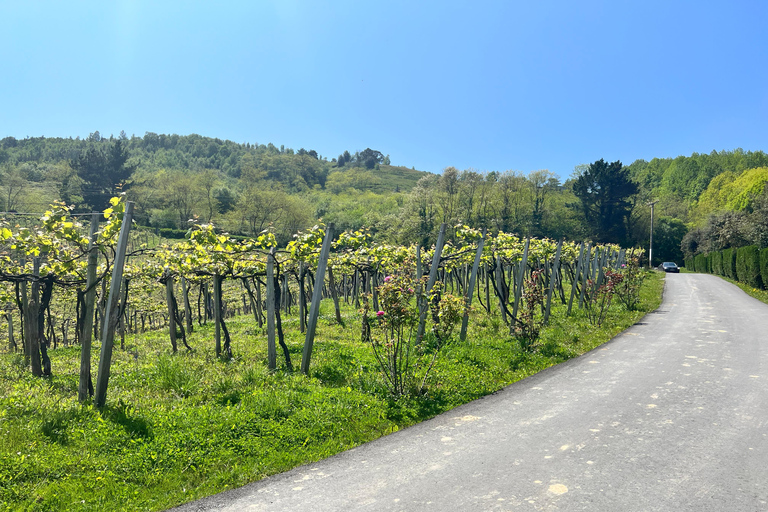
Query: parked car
669, 266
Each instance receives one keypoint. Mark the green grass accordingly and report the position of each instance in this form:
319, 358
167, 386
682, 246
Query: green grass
180, 427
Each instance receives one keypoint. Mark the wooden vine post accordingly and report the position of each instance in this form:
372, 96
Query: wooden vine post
85, 385
314, 308
110, 315
470, 289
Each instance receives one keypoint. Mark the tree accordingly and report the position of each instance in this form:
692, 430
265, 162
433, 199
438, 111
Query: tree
668, 236
104, 172
207, 180
604, 191
13, 181
542, 182
369, 158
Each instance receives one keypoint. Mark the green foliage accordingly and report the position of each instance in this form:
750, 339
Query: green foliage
628, 288
600, 296
748, 266
527, 328
764, 266
186, 426
716, 262
701, 263
668, 235
729, 263
604, 191
391, 331
729, 191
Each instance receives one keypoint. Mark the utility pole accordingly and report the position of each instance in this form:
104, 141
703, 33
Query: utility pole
650, 248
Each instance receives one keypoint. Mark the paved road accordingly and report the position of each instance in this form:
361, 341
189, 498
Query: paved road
671, 415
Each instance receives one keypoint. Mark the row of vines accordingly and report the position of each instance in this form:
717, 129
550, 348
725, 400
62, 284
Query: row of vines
70, 280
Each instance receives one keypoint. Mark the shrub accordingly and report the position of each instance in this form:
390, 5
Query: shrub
729, 263
716, 261
527, 328
748, 266
599, 301
391, 332
701, 263
764, 267
173, 233
628, 290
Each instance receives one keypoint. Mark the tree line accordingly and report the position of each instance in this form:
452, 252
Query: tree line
703, 202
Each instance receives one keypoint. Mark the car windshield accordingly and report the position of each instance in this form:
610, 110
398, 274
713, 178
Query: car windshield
669, 264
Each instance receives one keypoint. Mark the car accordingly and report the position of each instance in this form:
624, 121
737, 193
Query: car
670, 266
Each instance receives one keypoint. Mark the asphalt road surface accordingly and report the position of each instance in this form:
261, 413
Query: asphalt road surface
671, 415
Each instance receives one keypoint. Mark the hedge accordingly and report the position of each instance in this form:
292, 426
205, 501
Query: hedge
748, 266
764, 266
716, 261
729, 263
701, 263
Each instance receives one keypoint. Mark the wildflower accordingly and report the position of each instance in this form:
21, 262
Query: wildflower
379, 313
387, 279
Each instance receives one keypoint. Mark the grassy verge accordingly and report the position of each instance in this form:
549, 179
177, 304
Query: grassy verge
179, 427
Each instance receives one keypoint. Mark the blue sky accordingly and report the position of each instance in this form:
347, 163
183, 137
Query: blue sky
488, 85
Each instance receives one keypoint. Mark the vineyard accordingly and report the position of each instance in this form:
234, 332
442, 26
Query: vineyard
73, 283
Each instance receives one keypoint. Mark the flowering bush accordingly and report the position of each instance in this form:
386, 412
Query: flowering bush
391, 332
598, 302
527, 327
628, 290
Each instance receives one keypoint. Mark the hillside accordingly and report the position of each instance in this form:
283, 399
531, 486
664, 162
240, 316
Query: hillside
703, 201
243, 188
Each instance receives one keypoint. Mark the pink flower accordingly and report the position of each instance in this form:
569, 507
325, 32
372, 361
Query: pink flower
410, 290
387, 279
379, 313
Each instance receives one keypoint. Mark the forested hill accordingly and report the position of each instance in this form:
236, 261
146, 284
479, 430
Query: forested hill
173, 178
297, 170
703, 202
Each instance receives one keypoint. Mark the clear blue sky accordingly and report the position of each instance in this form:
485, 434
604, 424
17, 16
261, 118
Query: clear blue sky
489, 85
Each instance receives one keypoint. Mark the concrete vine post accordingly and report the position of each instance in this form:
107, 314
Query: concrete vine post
430, 283
471, 287
271, 349
110, 315
575, 281
520, 280
314, 308
217, 312
553, 277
